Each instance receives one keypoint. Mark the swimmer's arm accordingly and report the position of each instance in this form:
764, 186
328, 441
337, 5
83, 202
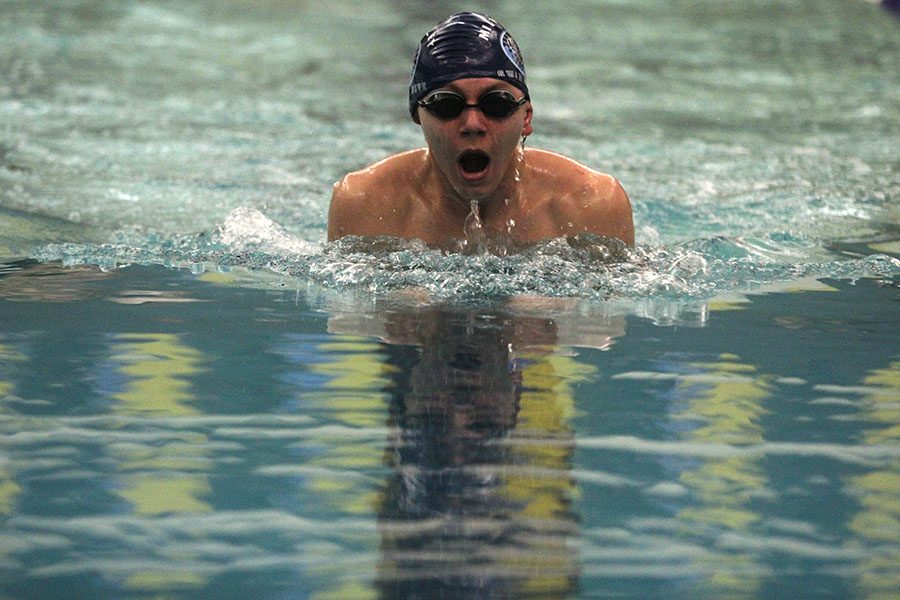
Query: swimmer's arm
355, 211
609, 214
621, 218
343, 216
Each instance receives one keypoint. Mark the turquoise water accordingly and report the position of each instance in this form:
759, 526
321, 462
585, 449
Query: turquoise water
201, 399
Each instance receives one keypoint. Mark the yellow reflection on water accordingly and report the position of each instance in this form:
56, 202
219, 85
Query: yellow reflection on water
155, 495
160, 480
162, 581
9, 489
878, 521
354, 397
357, 378
545, 486
157, 366
546, 406
343, 591
726, 401
8, 356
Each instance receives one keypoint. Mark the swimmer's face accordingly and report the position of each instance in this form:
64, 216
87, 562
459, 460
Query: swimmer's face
475, 153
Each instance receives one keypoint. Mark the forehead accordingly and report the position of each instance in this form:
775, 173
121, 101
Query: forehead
477, 86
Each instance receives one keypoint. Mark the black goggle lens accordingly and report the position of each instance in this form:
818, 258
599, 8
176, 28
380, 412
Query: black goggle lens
448, 105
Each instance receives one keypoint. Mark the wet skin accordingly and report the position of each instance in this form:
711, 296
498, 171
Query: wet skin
522, 195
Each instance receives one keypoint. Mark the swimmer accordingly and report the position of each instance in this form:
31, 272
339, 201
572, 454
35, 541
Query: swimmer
475, 182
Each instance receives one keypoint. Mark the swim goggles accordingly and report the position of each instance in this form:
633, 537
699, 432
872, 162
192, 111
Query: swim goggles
496, 104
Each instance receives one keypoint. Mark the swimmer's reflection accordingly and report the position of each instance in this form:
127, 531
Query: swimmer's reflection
31, 281
478, 504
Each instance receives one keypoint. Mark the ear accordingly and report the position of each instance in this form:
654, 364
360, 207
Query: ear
526, 126
415, 116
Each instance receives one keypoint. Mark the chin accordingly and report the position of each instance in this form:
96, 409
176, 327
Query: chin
481, 193
469, 195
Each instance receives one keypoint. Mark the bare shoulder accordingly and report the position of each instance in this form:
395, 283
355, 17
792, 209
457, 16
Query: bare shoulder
353, 211
376, 177
584, 199
568, 173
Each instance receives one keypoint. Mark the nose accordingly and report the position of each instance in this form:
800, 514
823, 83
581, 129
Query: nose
472, 122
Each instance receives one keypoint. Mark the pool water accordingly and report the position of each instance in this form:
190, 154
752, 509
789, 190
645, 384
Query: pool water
199, 398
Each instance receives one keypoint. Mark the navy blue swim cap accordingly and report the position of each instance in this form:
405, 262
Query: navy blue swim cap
464, 46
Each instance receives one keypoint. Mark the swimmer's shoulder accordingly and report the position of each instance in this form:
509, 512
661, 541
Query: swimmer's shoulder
597, 201
384, 174
569, 172
363, 199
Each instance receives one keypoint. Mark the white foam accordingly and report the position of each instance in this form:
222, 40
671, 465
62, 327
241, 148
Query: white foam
249, 229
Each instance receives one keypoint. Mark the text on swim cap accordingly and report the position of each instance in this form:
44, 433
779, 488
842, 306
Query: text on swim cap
508, 74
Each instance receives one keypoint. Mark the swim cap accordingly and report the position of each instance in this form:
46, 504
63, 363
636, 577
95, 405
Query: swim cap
464, 46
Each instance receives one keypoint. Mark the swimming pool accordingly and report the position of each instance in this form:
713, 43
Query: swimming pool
200, 399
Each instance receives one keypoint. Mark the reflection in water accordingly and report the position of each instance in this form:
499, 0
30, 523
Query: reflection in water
545, 488
9, 355
9, 489
28, 281
352, 397
167, 478
181, 450
156, 367
465, 514
724, 405
879, 489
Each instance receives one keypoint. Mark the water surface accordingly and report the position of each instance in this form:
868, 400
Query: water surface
199, 398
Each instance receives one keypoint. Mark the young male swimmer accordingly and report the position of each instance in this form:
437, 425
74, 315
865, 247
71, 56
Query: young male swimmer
475, 180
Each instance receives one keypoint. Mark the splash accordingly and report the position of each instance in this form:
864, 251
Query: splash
583, 266
474, 238
249, 229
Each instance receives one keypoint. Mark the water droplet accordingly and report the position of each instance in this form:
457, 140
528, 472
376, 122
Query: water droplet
473, 220
473, 229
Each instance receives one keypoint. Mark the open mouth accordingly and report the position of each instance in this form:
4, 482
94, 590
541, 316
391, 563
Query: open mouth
473, 162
